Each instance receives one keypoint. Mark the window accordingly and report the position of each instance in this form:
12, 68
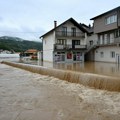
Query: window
105, 38
73, 32
59, 56
117, 33
77, 56
64, 31
102, 54
61, 41
108, 20
91, 42
111, 37
77, 42
101, 39
111, 19
112, 53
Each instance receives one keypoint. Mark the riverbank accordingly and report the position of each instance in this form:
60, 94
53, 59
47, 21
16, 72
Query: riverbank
26, 95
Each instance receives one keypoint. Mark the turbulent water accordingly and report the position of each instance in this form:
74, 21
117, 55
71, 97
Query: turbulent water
29, 96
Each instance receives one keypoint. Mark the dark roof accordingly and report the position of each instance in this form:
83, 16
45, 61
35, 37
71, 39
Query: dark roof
105, 13
87, 27
71, 20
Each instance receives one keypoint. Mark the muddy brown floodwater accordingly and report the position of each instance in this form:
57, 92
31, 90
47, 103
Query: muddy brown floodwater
110, 69
29, 96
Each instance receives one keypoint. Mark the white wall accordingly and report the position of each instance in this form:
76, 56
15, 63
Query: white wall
49, 41
107, 53
48, 44
69, 25
93, 37
39, 55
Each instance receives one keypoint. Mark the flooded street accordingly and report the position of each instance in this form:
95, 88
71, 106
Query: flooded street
29, 96
101, 68
110, 69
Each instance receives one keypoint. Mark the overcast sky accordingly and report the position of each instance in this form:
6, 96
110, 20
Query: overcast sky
29, 19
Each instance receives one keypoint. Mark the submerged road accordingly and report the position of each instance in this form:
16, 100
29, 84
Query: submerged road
29, 96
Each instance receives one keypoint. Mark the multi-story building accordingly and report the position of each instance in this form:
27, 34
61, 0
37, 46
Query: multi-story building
107, 29
66, 42
74, 42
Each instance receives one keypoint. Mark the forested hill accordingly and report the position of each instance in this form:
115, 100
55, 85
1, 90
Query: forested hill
18, 44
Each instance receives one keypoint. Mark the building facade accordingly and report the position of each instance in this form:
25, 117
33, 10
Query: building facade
65, 43
107, 28
74, 42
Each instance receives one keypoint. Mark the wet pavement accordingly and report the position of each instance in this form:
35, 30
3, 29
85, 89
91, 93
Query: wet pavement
29, 96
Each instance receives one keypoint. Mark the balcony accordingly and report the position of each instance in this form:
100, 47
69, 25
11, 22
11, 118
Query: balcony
117, 40
110, 42
69, 47
69, 34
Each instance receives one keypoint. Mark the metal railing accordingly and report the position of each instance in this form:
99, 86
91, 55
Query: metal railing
69, 34
117, 40
61, 47
109, 42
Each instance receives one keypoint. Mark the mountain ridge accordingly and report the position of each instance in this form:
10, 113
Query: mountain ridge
18, 44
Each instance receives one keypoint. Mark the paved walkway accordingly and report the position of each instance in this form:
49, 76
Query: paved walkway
29, 96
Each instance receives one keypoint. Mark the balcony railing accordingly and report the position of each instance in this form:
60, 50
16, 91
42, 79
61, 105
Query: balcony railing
69, 34
67, 47
110, 42
117, 40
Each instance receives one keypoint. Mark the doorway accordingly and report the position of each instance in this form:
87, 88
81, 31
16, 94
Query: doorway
73, 44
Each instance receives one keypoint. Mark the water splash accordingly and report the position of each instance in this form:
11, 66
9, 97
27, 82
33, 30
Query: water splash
87, 79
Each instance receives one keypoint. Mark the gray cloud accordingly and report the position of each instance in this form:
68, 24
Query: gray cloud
30, 19
25, 33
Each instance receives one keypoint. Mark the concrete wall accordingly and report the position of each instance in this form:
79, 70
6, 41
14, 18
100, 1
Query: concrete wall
48, 45
107, 53
100, 26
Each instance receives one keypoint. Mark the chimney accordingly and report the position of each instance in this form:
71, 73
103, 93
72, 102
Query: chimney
55, 24
89, 26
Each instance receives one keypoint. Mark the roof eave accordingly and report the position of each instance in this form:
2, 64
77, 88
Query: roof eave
70, 19
105, 13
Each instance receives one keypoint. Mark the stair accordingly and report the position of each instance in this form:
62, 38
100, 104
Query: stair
90, 48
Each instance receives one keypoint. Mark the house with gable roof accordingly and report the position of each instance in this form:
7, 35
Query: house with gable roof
66, 42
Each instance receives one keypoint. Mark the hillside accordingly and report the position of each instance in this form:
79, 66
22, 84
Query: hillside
18, 44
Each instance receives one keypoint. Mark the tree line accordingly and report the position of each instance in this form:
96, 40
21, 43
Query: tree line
18, 45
